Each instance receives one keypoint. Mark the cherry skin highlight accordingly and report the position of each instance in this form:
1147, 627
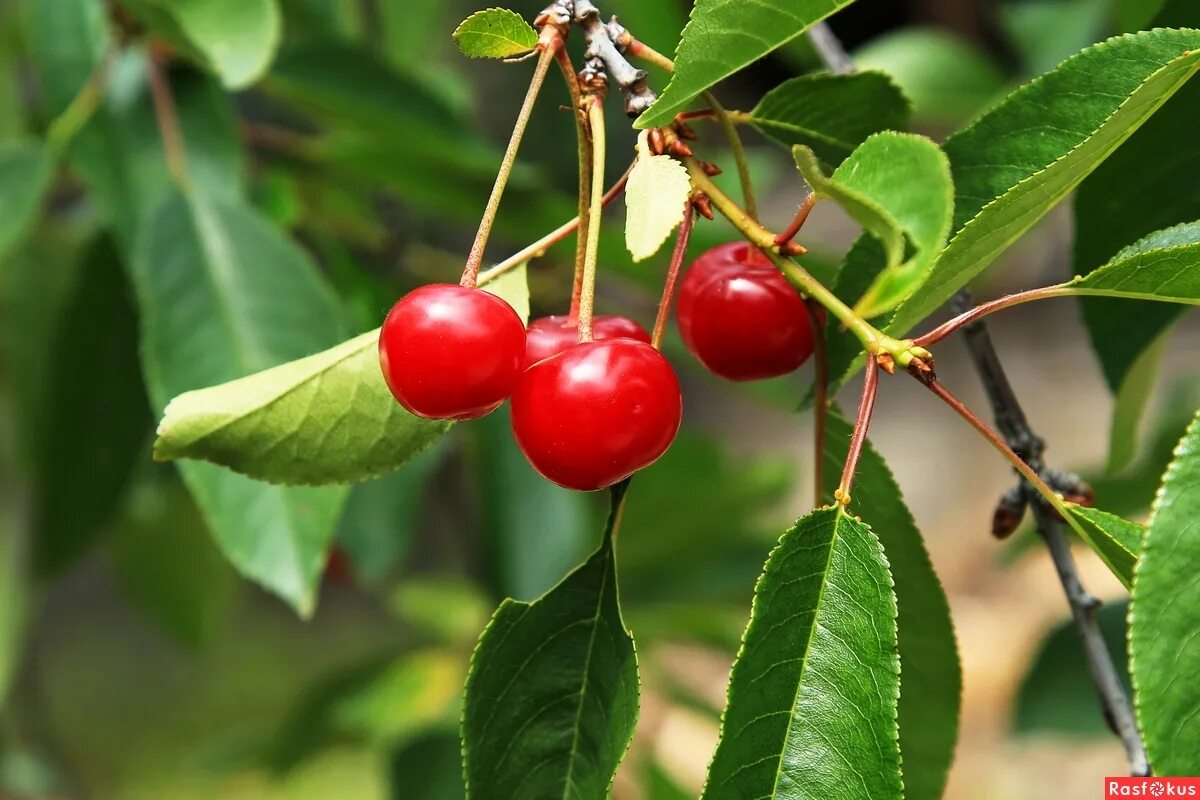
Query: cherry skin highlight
451, 352
741, 317
551, 335
597, 412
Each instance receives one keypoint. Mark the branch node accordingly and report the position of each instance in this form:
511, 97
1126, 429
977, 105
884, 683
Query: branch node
601, 45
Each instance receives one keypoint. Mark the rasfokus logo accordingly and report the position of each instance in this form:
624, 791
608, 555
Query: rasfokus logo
1151, 787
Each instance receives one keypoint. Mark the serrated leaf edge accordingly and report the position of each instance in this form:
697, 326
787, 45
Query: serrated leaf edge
458, 31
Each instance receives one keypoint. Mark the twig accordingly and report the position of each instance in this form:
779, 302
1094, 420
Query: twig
167, 117
1011, 420
859, 437
599, 37
830, 49
677, 256
551, 40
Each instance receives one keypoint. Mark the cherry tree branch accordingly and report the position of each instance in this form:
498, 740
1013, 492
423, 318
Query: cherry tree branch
830, 49
601, 41
1011, 420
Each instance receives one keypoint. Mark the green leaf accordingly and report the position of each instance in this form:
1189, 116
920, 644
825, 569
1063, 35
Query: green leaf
222, 294
1117, 541
552, 692
1057, 695
166, 564
1160, 267
722, 37
428, 767
832, 114
81, 468
930, 672
1016, 162
533, 531
495, 33
325, 418
236, 39
1044, 32
14, 591
1145, 186
948, 80
813, 693
26, 168
655, 201
1163, 647
898, 187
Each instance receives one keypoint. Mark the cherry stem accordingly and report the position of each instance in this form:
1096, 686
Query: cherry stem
583, 138
738, 151
865, 408
639, 49
806, 206
167, 117
702, 113
532, 251
991, 307
587, 295
1027, 472
820, 397
551, 41
677, 256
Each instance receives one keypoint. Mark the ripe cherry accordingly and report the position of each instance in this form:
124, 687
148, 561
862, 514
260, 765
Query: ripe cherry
550, 335
451, 352
741, 317
597, 412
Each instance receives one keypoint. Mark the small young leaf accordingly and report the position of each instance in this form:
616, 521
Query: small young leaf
655, 201
325, 418
1163, 646
1117, 541
552, 693
1015, 163
813, 693
930, 672
832, 114
722, 37
495, 33
897, 186
26, 168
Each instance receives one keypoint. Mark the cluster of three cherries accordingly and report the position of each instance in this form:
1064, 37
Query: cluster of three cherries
590, 414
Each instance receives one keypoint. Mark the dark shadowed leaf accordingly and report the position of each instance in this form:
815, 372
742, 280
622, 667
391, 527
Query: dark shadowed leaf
832, 114
552, 693
26, 168
813, 693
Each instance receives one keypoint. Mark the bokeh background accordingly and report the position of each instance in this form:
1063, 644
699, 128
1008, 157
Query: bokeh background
140, 666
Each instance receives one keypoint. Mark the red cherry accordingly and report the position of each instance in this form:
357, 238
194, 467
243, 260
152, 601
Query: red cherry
451, 352
597, 412
740, 316
551, 335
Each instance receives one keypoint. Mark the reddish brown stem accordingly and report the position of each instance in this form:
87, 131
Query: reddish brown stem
167, 116
789, 233
700, 113
865, 407
677, 256
820, 396
991, 307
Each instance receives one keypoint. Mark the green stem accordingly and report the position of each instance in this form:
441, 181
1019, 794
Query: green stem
587, 297
739, 153
70, 122
873, 340
475, 258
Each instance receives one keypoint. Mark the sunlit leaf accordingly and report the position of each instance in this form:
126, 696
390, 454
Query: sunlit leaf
655, 201
1163, 646
495, 33
723, 36
1117, 541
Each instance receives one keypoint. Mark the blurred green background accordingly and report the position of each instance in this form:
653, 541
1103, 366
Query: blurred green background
134, 661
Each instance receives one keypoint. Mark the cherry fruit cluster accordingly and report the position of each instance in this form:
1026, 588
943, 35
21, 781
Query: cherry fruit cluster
588, 414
